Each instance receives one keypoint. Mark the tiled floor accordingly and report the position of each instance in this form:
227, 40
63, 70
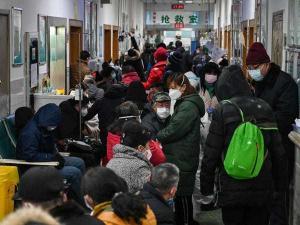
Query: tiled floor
210, 218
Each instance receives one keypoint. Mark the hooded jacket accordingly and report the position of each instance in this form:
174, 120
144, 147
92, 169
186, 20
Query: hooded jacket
281, 92
104, 212
131, 165
127, 78
226, 118
35, 143
156, 74
181, 140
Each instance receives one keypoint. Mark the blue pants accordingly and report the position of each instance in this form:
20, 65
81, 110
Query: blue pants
72, 171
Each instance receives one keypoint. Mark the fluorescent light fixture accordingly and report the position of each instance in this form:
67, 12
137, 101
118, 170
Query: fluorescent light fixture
188, 1
180, 1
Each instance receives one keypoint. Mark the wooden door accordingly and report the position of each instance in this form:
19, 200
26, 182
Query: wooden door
107, 45
4, 59
245, 41
115, 45
251, 36
229, 45
75, 49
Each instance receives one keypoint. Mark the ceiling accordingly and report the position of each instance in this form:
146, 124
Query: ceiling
177, 1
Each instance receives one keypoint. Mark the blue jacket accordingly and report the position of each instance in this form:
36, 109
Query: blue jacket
35, 143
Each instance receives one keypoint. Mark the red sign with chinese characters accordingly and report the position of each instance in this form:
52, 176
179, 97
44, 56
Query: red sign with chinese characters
177, 6
179, 25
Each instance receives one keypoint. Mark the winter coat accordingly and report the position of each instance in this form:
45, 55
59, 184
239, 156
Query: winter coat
69, 127
127, 78
105, 213
163, 212
71, 213
94, 92
181, 140
153, 123
105, 108
156, 74
35, 143
209, 102
226, 118
148, 59
112, 140
131, 165
281, 92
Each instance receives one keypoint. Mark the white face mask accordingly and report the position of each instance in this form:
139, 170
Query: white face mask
148, 154
163, 112
84, 112
87, 205
174, 94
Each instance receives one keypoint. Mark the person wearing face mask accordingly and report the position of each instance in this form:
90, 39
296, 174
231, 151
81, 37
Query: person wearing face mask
281, 92
181, 142
69, 127
36, 142
157, 116
160, 191
131, 157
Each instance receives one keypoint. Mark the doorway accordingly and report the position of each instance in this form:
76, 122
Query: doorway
74, 50
5, 64
107, 43
115, 44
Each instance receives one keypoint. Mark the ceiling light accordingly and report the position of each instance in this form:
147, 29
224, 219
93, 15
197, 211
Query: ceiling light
188, 1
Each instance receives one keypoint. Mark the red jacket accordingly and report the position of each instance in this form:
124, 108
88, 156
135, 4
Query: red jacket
156, 74
158, 155
127, 78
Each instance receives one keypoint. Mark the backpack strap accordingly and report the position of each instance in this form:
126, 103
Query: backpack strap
237, 107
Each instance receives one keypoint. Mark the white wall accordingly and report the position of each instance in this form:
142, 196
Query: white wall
248, 10
31, 8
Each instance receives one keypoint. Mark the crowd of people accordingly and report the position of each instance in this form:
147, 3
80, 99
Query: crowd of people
163, 121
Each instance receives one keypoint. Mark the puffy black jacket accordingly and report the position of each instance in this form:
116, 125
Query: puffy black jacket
226, 118
163, 213
281, 92
71, 213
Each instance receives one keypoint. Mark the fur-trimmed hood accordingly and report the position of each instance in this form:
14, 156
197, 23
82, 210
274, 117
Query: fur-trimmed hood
29, 216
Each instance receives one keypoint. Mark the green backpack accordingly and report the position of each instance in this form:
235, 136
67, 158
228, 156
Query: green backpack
246, 152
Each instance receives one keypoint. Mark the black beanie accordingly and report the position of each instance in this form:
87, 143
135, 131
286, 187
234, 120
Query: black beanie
175, 57
134, 134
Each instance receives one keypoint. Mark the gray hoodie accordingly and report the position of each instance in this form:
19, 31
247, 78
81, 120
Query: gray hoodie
131, 165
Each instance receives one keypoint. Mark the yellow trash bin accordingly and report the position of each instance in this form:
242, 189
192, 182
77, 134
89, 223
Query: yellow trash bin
9, 178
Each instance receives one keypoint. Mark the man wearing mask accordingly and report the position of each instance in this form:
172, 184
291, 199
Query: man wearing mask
281, 92
155, 120
160, 191
36, 143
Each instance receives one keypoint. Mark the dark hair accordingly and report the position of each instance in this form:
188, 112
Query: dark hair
180, 79
84, 55
134, 134
137, 93
128, 69
178, 44
163, 45
127, 108
164, 177
102, 185
211, 68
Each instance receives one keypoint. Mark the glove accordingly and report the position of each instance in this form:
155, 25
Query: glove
60, 159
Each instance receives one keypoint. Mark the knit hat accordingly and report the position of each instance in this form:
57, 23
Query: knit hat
257, 54
160, 54
40, 184
175, 57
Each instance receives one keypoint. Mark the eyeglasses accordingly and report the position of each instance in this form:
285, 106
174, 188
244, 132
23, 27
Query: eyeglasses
253, 67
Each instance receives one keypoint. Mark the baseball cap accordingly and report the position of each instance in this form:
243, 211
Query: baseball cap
40, 184
161, 97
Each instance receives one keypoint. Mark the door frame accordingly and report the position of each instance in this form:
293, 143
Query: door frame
7, 13
58, 22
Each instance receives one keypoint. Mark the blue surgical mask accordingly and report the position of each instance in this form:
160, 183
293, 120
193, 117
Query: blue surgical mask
256, 75
171, 203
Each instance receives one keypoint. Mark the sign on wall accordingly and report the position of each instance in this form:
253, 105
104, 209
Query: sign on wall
172, 18
177, 6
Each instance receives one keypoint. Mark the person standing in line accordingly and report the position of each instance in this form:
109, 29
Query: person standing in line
281, 92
